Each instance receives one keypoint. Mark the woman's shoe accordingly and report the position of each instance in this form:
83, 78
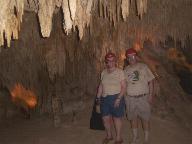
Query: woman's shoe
107, 140
118, 142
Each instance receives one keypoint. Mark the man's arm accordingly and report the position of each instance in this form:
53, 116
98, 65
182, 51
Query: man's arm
151, 91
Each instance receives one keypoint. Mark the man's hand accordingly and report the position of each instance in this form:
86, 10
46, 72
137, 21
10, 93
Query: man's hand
150, 99
151, 89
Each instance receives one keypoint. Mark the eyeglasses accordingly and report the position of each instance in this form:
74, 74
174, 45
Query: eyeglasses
109, 61
131, 57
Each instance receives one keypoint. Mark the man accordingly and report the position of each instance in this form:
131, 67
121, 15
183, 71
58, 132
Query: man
110, 96
139, 80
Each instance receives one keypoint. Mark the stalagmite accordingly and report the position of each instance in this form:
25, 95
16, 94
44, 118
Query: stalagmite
51, 61
45, 14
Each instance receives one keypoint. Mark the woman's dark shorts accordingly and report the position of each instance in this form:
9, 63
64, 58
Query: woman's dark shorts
107, 106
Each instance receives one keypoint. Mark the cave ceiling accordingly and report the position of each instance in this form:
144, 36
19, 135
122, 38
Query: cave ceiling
155, 18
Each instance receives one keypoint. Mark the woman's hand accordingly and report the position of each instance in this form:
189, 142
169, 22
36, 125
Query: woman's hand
117, 102
98, 101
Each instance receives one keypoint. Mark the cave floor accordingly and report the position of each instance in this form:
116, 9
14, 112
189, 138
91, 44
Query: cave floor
40, 130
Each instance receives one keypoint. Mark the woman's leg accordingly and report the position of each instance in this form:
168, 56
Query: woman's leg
107, 121
118, 128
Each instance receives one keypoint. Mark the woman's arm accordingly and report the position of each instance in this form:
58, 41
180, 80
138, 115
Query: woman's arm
121, 94
123, 89
99, 93
100, 90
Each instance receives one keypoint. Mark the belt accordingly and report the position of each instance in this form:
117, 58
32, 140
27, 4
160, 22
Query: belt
137, 96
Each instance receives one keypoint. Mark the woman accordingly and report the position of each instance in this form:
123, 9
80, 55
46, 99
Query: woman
110, 97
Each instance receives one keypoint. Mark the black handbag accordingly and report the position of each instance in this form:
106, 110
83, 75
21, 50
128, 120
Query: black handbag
96, 122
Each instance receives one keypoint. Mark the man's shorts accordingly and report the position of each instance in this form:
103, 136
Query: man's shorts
138, 107
108, 109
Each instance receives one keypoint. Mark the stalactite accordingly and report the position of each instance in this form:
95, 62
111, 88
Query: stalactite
1, 37
110, 11
58, 3
118, 10
45, 14
14, 34
88, 11
113, 10
20, 10
72, 8
31, 5
82, 18
100, 5
9, 20
79, 19
141, 7
125, 8
77, 13
68, 23
105, 9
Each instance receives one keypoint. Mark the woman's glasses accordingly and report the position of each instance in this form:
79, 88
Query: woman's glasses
109, 61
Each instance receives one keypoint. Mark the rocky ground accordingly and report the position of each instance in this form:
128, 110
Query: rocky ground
75, 130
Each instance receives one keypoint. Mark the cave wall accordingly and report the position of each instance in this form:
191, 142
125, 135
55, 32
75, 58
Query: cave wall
59, 65
64, 71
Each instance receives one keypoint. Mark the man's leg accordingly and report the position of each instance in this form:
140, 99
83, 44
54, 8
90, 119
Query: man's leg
134, 126
145, 114
118, 128
131, 106
107, 121
146, 127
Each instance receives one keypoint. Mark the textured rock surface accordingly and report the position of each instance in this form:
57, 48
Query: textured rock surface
67, 68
